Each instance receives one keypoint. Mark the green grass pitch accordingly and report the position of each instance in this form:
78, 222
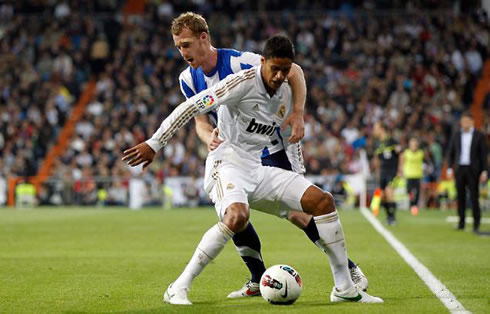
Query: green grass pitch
106, 260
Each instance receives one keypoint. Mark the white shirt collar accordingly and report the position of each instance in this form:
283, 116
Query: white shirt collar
470, 131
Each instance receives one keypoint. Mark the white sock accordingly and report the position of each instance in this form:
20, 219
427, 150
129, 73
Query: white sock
332, 242
210, 246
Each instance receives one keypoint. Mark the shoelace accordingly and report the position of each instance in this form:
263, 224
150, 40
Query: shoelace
354, 275
251, 285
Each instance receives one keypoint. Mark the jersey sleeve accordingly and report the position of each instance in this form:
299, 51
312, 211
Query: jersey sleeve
186, 85
228, 92
245, 61
232, 89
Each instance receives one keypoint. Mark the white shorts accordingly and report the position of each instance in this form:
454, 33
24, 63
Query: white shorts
268, 189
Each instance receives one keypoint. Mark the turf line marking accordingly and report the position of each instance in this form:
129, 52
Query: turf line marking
437, 287
484, 220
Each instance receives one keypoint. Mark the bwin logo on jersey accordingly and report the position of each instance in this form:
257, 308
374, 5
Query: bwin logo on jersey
255, 127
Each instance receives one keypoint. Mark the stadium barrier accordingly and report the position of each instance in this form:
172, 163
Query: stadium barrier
138, 191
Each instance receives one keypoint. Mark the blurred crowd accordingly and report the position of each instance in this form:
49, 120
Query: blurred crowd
415, 71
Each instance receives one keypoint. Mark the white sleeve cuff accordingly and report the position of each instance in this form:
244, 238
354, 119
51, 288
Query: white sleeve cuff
154, 144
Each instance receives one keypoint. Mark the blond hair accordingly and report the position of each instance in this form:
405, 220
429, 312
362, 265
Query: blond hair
193, 21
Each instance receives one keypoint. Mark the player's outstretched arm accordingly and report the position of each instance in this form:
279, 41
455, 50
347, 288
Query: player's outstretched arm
295, 119
207, 100
145, 152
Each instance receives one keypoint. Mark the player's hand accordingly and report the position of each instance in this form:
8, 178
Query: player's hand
214, 141
139, 154
297, 123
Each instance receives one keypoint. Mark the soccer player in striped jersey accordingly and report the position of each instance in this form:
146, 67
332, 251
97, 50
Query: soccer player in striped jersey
209, 65
250, 105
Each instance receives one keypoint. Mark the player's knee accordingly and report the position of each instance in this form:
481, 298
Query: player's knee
389, 193
236, 217
326, 204
317, 202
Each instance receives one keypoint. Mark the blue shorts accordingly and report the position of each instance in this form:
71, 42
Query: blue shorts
278, 160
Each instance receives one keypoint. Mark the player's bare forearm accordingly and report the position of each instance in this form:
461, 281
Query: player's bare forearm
204, 129
206, 133
295, 119
296, 79
139, 154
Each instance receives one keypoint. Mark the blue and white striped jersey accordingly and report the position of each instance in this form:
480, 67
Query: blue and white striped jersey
193, 81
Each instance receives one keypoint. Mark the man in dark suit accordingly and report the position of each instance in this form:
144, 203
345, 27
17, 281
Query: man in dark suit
468, 158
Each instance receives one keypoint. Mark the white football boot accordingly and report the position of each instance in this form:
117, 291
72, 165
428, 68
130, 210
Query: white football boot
358, 277
353, 294
249, 289
176, 295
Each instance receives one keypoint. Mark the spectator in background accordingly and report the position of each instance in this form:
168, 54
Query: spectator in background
99, 53
474, 59
354, 66
25, 194
467, 158
62, 10
117, 194
191, 192
41, 73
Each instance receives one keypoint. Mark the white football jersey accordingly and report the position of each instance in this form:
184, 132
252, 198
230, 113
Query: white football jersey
248, 117
229, 61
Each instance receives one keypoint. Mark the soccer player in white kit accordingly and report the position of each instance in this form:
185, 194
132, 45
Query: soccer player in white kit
208, 66
249, 105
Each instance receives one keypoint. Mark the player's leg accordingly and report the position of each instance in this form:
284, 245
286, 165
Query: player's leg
390, 204
248, 245
383, 182
234, 220
411, 191
331, 236
294, 192
413, 186
388, 197
321, 205
306, 223
232, 208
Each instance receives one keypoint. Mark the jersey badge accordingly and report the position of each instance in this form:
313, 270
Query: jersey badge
282, 111
204, 102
